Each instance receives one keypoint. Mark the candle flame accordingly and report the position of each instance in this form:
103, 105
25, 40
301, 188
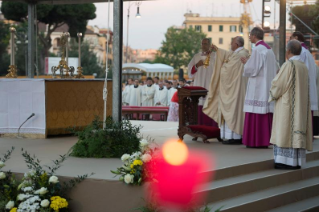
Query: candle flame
175, 153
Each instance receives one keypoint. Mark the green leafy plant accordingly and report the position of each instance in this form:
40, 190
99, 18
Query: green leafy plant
115, 140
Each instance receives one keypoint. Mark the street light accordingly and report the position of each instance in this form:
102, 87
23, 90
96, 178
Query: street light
138, 15
265, 12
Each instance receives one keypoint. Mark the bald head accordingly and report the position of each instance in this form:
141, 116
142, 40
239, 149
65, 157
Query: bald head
237, 42
293, 48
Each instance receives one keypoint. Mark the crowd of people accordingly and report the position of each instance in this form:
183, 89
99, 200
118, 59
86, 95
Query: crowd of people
251, 98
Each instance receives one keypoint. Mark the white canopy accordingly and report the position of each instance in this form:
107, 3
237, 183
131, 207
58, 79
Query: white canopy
152, 70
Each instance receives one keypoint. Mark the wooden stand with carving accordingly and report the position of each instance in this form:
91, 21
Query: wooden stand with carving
188, 98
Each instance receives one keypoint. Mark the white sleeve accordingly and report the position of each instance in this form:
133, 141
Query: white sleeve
254, 64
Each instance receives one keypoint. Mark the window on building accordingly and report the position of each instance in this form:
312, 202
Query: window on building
210, 28
221, 28
210, 40
241, 29
233, 28
191, 26
198, 28
220, 40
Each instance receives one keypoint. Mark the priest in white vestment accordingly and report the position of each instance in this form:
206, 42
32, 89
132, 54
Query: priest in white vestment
170, 92
136, 94
148, 93
160, 97
202, 75
292, 128
307, 58
126, 92
261, 68
225, 99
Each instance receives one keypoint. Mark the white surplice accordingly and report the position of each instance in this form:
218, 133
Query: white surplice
261, 69
203, 75
148, 94
126, 94
161, 97
170, 93
136, 96
307, 59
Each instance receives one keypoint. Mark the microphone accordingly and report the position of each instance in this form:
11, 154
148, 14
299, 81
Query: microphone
23, 124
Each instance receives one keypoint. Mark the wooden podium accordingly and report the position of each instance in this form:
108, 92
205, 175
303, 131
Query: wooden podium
188, 98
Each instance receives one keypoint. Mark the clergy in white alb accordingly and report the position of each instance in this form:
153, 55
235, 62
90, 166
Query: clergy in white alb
136, 94
292, 128
170, 92
202, 75
261, 68
160, 97
126, 92
148, 93
225, 99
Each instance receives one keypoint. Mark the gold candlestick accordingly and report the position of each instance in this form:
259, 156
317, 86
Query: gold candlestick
79, 70
12, 68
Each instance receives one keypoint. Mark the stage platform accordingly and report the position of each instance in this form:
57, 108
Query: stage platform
103, 192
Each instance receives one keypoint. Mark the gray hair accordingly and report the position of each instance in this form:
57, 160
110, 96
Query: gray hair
258, 32
294, 47
240, 41
207, 40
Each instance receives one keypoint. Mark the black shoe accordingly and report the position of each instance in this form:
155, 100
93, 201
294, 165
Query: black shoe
233, 142
286, 167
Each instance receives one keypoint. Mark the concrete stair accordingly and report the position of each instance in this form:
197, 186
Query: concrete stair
257, 187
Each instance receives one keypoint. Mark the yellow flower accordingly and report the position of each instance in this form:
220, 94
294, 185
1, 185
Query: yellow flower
132, 166
58, 203
13, 210
138, 163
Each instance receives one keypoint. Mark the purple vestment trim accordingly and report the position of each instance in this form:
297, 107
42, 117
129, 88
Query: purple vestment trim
264, 44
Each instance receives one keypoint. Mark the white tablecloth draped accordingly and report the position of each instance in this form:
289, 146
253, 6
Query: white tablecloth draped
19, 98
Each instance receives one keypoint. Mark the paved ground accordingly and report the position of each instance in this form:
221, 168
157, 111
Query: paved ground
49, 149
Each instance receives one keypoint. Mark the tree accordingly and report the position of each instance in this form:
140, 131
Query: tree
75, 16
89, 61
4, 42
179, 47
306, 13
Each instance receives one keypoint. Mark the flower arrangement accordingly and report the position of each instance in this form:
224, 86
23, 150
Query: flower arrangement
38, 191
134, 170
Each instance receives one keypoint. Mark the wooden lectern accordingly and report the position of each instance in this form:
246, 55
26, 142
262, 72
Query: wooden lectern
188, 98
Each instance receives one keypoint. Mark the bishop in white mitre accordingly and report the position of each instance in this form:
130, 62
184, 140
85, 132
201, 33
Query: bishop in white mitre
148, 93
136, 94
126, 92
202, 74
292, 129
160, 97
261, 69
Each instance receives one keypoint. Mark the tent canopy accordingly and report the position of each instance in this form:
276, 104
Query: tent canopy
149, 68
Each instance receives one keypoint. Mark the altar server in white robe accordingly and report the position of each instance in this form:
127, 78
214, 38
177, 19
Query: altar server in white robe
292, 129
170, 92
261, 69
307, 58
148, 93
202, 77
126, 92
160, 97
136, 94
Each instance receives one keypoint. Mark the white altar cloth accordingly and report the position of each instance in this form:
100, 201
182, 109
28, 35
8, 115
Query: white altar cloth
19, 98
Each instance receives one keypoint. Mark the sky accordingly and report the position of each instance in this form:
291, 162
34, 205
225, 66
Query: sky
148, 32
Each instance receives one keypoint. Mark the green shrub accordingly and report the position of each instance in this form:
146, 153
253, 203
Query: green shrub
115, 140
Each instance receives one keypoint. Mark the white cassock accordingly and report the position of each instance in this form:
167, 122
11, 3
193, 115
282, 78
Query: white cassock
148, 94
136, 96
160, 96
307, 59
126, 94
170, 93
203, 75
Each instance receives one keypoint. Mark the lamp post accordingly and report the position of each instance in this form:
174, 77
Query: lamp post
138, 15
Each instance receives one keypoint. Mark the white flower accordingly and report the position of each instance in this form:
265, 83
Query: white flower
10, 205
143, 142
146, 158
53, 179
27, 189
128, 179
2, 175
2, 164
125, 157
42, 191
45, 203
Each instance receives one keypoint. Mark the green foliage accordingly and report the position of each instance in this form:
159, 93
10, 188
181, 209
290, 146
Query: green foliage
89, 61
4, 42
115, 140
307, 13
179, 47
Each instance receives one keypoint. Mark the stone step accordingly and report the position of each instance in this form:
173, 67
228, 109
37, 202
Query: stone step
271, 198
308, 205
